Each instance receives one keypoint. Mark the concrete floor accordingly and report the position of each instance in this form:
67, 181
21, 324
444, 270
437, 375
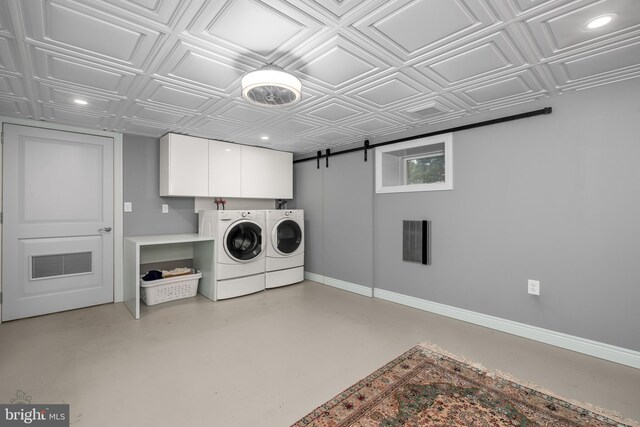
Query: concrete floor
262, 360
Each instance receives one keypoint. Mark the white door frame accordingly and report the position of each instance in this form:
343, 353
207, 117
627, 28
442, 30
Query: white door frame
117, 194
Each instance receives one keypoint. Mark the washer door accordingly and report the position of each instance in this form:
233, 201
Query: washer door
286, 237
243, 241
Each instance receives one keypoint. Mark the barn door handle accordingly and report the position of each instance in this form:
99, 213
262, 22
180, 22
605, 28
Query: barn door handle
105, 229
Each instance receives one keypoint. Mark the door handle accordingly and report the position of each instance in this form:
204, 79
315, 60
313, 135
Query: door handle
105, 230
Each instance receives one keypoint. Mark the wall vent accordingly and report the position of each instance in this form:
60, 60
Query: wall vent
44, 266
416, 241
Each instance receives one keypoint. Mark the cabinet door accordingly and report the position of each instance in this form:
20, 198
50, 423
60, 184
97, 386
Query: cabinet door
225, 169
266, 174
184, 166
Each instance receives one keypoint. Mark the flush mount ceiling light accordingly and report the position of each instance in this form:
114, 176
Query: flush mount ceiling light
80, 101
271, 86
598, 22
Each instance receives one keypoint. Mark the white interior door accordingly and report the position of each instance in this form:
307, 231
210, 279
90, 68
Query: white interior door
57, 243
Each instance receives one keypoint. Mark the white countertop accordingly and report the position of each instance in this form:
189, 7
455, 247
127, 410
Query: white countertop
162, 239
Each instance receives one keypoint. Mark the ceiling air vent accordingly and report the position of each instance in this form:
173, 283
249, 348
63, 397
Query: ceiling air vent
271, 86
428, 110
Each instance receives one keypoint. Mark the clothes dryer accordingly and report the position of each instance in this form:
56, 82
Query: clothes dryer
285, 250
239, 250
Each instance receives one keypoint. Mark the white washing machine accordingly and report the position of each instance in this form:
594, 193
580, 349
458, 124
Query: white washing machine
285, 250
239, 250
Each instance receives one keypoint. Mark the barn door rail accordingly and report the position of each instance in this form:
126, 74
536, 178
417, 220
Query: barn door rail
367, 146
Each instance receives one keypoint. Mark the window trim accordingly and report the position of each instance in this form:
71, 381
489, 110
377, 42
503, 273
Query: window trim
380, 152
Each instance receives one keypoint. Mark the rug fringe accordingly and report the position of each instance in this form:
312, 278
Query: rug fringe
494, 373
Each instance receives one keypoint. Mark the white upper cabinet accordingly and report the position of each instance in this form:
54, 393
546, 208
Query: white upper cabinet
198, 167
266, 174
225, 169
184, 166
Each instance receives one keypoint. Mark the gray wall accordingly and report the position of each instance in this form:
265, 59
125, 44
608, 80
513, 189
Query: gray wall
553, 198
141, 180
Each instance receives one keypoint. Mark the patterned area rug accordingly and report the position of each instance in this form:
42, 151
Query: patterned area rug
427, 388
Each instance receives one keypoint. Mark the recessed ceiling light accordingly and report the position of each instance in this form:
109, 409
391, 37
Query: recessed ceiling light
80, 101
600, 21
264, 137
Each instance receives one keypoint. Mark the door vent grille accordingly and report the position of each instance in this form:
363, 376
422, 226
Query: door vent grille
43, 266
416, 241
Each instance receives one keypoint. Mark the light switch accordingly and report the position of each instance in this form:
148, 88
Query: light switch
128, 207
165, 208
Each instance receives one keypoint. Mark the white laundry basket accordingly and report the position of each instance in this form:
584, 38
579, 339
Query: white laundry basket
163, 290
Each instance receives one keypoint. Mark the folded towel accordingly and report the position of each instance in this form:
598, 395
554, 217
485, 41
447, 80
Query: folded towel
181, 271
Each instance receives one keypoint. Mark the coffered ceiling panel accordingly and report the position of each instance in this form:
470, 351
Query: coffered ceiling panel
197, 67
410, 28
7, 60
375, 125
160, 11
514, 86
213, 128
339, 63
294, 126
49, 65
137, 127
154, 114
14, 108
525, 5
334, 112
621, 59
566, 28
169, 95
57, 96
491, 55
261, 29
242, 113
11, 85
368, 67
390, 90
74, 117
67, 25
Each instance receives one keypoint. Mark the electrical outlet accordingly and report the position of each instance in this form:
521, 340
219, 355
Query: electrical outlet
533, 287
128, 207
165, 208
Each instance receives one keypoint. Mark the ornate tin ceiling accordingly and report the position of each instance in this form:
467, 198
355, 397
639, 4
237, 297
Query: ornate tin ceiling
368, 68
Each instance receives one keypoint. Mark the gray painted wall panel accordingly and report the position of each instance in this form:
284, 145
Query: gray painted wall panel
308, 194
348, 220
337, 203
141, 187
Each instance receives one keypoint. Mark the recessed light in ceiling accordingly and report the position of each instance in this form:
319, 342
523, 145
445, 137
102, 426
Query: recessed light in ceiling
598, 22
80, 101
264, 137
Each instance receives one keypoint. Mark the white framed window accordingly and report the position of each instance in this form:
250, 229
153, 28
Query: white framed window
424, 164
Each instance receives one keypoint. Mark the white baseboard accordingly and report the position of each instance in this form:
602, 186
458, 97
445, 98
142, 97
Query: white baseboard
581, 345
313, 277
340, 284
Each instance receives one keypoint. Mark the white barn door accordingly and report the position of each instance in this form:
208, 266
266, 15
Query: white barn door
57, 245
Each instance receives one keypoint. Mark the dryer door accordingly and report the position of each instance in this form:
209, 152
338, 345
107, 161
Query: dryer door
286, 237
243, 241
